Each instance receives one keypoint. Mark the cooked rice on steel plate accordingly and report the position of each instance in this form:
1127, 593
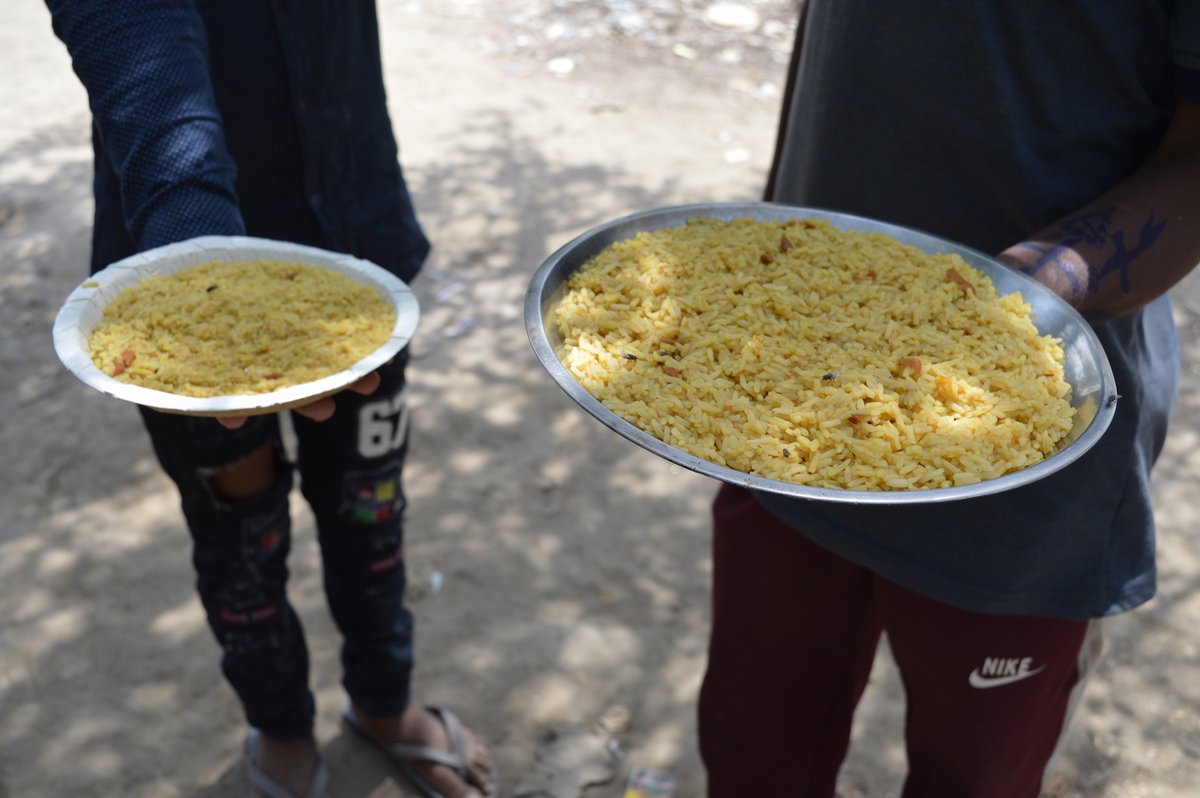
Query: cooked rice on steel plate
239, 327
799, 352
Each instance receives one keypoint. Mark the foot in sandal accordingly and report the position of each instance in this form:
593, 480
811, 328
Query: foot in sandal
285, 768
432, 749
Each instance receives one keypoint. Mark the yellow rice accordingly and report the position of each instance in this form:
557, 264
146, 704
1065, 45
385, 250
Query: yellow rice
223, 328
790, 350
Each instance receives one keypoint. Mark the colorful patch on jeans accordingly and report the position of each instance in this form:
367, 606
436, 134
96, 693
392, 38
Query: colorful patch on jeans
373, 497
250, 631
249, 617
270, 540
389, 561
266, 535
252, 569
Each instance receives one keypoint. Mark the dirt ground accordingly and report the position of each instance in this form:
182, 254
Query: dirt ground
560, 574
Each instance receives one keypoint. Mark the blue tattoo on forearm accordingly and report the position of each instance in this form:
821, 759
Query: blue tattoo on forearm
1123, 258
1051, 255
1093, 229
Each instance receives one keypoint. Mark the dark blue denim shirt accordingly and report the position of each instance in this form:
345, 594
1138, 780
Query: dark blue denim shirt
226, 117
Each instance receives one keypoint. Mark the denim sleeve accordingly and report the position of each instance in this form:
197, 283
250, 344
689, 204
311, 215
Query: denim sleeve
144, 64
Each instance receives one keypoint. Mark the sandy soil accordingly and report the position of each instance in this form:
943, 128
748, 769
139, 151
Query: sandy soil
559, 573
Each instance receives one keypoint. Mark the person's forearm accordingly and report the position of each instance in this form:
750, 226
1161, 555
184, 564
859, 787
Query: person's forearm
145, 68
1132, 243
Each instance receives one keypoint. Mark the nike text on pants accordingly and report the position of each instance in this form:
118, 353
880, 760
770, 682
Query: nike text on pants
795, 630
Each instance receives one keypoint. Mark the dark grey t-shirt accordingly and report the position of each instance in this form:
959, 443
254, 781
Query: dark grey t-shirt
983, 122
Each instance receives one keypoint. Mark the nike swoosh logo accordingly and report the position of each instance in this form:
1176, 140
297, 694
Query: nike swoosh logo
984, 682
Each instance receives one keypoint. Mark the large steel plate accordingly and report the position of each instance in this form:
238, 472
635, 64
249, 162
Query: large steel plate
1086, 367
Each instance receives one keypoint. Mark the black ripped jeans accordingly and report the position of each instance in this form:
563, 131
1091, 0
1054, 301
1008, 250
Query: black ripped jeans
350, 473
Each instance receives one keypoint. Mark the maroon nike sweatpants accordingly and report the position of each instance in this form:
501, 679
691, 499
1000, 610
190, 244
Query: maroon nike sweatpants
794, 634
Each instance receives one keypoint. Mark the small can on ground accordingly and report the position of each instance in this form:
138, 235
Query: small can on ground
645, 783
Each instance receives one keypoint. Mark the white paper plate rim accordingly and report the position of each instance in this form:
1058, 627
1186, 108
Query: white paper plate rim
84, 308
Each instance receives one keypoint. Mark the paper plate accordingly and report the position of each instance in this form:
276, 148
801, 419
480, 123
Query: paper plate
84, 308
1093, 389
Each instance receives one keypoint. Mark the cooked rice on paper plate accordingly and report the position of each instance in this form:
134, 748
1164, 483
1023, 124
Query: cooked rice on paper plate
239, 327
799, 352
